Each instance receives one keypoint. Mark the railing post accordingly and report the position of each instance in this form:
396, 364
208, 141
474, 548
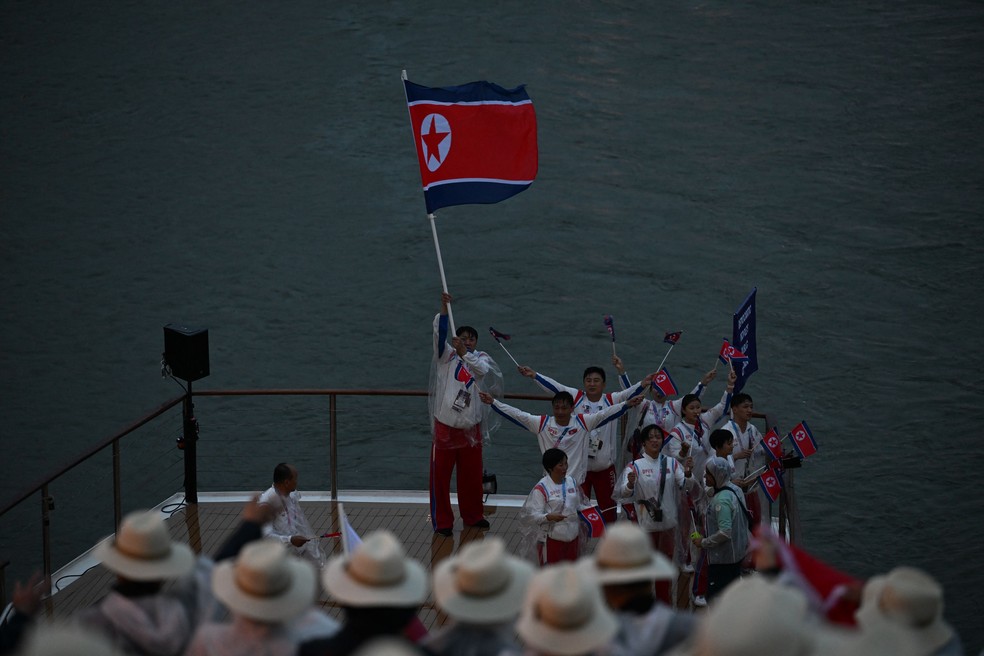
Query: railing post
190, 448
117, 491
333, 445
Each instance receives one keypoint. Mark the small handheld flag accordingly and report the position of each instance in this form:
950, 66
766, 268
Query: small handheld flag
803, 440
771, 482
593, 520
729, 352
663, 383
773, 444
672, 338
499, 338
610, 325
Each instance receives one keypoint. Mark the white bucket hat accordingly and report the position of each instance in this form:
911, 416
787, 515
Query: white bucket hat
907, 601
625, 555
265, 583
376, 573
563, 613
754, 616
482, 584
142, 550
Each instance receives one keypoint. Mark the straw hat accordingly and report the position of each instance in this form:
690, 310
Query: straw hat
66, 640
754, 616
143, 550
482, 584
625, 555
265, 582
376, 573
909, 601
563, 613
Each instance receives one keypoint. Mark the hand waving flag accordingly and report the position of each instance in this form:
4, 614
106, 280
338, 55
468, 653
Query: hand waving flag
476, 143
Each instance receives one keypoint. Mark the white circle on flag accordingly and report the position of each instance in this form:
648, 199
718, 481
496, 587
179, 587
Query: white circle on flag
435, 139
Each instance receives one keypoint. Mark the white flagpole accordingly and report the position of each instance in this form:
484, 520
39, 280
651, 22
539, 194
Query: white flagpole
440, 266
500, 344
430, 215
342, 521
660, 367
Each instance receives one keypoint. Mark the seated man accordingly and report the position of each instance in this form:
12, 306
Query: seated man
289, 524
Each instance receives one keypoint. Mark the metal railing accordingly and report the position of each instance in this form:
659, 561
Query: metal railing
787, 509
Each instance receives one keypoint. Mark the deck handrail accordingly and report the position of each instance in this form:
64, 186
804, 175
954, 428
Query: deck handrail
787, 510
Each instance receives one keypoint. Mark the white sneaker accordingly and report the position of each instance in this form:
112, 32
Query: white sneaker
699, 601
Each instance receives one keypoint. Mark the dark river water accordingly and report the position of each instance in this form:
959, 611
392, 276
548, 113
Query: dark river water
248, 167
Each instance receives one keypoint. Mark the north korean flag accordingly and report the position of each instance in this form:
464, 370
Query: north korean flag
773, 444
593, 520
771, 482
672, 338
476, 143
462, 375
729, 352
803, 440
664, 383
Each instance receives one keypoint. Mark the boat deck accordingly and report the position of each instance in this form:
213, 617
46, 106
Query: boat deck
407, 514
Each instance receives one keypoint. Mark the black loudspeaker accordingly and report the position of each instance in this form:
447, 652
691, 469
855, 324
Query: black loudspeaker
186, 351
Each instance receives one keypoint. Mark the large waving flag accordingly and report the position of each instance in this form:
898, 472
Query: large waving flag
476, 143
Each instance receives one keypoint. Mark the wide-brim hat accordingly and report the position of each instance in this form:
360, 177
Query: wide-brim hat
142, 550
908, 601
376, 573
563, 613
482, 584
755, 616
625, 555
265, 583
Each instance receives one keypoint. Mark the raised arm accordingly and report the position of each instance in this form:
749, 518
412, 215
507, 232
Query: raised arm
547, 383
522, 419
712, 416
596, 419
696, 391
441, 327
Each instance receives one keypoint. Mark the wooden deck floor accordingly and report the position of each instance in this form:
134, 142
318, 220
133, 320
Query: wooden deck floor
206, 525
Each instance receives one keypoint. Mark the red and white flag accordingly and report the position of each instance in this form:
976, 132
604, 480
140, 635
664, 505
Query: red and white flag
803, 440
771, 481
664, 383
592, 518
773, 444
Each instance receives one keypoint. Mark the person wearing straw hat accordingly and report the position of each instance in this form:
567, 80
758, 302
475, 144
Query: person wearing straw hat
136, 613
481, 589
626, 567
265, 589
908, 602
563, 614
379, 588
755, 616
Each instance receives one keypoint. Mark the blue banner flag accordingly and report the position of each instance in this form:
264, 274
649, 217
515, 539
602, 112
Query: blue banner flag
476, 143
743, 339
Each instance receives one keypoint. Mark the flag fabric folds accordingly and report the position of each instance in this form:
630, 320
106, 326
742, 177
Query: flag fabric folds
664, 383
476, 143
610, 325
773, 444
803, 441
743, 337
672, 338
497, 336
729, 352
592, 518
771, 482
